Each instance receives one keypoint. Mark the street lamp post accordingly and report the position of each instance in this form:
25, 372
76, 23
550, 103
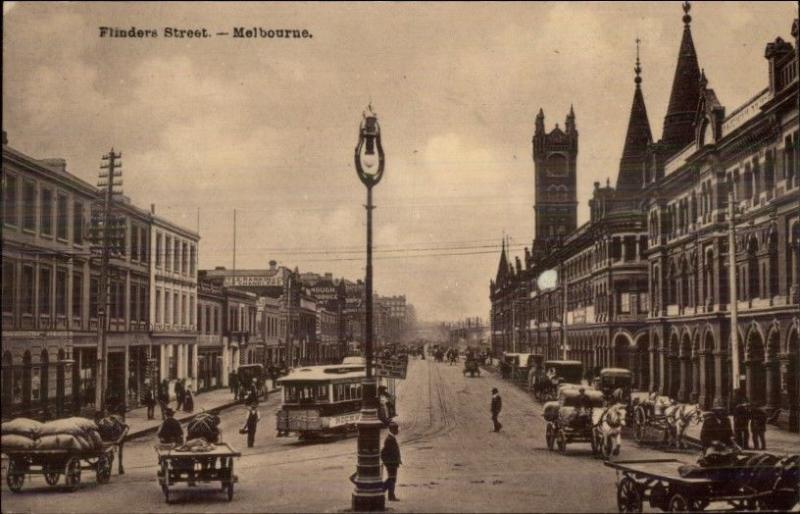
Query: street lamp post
369, 493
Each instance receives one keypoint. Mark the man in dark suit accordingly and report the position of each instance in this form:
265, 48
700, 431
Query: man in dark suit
171, 430
390, 456
716, 427
497, 406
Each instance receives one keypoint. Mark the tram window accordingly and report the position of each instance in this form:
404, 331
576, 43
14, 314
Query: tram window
322, 392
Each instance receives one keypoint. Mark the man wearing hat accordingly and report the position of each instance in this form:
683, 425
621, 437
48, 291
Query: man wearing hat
716, 427
170, 431
390, 456
497, 406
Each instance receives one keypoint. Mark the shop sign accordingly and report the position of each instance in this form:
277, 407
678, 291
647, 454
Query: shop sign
391, 367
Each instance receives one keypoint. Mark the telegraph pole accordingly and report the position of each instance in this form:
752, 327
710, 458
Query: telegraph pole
733, 288
108, 179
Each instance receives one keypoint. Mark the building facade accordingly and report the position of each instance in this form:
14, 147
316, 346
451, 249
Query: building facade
646, 283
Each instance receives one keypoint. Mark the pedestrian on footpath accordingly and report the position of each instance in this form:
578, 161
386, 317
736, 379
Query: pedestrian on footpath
741, 420
188, 400
497, 406
149, 400
233, 382
758, 426
163, 398
250, 424
390, 456
180, 393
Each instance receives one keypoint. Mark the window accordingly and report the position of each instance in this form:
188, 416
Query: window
176, 309
216, 321
643, 302
77, 223
143, 245
29, 205
167, 308
133, 302
192, 259
158, 305
47, 212
27, 290
94, 296
143, 303
44, 291
184, 258
9, 299
62, 217
134, 243
77, 295
168, 253
10, 200
176, 263
158, 250
61, 292
207, 320
191, 310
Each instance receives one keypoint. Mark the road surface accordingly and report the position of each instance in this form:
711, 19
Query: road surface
452, 462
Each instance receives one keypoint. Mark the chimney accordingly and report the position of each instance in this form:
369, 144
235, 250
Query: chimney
152, 208
273, 264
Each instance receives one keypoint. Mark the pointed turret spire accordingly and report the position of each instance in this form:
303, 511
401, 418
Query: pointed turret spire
540, 122
569, 124
629, 179
502, 267
678, 123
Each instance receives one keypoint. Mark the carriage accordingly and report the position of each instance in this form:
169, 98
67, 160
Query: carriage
753, 481
56, 462
611, 379
179, 465
471, 366
249, 372
554, 373
565, 421
649, 414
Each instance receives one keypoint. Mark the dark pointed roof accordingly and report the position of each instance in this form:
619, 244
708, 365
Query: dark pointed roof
502, 268
678, 123
636, 140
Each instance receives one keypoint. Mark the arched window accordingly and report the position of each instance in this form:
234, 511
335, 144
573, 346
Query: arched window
788, 160
684, 283
773, 265
756, 179
747, 183
769, 171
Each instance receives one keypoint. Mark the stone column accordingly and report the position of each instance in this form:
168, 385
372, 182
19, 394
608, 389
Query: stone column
749, 373
683, 390
226, 362
653, 362
719, 363
695, 366
702, 379
772, 373
662, 375
127, 377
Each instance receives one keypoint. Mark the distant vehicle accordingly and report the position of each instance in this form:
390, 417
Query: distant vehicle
612, 379
355, 360
554, 374
247, 373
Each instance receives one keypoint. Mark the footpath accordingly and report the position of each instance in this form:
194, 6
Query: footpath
777, 439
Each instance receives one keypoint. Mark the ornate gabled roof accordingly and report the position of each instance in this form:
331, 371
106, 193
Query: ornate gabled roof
637, 138
679, 121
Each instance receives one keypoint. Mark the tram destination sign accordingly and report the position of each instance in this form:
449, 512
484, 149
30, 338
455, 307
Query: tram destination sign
391, 367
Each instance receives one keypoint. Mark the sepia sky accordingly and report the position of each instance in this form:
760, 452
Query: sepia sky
268, 126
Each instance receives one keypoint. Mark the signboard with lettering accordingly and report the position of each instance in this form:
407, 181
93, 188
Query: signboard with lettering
255, 281
391, 367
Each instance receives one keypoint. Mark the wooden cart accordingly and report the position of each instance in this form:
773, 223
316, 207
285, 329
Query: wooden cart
193, 468
766, 482
54, 463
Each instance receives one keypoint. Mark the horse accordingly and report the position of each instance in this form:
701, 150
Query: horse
607, 428
678, 417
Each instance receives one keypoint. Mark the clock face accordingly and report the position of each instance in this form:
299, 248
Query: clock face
547, 280
557, 166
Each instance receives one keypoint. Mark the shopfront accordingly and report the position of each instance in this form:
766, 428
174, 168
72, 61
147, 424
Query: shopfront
209, 369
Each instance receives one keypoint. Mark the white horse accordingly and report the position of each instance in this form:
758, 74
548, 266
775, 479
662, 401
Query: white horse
607, 428
678, 418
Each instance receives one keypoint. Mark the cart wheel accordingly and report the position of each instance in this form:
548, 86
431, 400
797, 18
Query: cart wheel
103, 469
72, 473
561, 439
230, 491
679, 503
15, 476
550, 436
51, 477
629, 497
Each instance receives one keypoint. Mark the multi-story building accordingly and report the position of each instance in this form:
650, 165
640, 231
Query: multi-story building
270, 327
173, 288
47, 279
215, 357
645, 283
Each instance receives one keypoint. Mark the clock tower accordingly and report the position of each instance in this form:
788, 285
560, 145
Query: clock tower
556, 198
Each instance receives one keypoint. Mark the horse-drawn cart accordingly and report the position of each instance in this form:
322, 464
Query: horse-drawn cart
193, 467
52, 463
569, 420
756, 481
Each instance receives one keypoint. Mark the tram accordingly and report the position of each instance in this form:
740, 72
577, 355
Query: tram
321, 400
